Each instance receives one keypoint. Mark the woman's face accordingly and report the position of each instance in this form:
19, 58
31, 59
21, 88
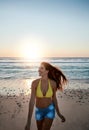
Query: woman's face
42, 70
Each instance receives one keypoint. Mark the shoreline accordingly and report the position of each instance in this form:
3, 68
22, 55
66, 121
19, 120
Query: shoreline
22, 87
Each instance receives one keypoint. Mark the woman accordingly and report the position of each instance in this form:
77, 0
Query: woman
43, 92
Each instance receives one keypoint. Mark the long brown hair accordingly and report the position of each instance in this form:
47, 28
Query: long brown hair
55, 74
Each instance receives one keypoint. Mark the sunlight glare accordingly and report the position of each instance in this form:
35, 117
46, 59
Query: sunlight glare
27, 84
32, 47
31, 52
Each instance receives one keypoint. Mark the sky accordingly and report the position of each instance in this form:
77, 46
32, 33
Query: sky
46, 28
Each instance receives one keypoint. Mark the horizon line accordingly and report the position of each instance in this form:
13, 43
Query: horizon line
48, 57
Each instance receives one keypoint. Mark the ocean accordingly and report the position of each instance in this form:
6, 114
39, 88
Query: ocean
19, 73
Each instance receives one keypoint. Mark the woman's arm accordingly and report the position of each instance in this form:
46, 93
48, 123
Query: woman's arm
56, 104
31, 106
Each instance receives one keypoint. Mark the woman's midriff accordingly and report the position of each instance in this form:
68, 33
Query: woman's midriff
43, 102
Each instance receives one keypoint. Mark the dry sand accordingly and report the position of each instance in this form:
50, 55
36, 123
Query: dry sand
73, 104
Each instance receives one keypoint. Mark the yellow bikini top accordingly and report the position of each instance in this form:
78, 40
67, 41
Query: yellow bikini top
49, 93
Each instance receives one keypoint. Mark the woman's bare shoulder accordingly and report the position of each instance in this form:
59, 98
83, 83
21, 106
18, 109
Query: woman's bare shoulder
53, 83
35, 82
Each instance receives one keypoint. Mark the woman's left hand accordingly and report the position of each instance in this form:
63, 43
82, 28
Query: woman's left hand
62, 118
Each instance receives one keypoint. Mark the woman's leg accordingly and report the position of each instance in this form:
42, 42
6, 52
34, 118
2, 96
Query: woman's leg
39, 124
47, 123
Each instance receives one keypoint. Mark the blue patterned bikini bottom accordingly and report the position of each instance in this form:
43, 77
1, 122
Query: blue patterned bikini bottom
48, 112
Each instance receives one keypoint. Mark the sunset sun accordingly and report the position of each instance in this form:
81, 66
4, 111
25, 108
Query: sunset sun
32, 47
31, 52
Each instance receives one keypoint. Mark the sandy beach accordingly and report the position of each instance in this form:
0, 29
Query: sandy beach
47, 40
73, 104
